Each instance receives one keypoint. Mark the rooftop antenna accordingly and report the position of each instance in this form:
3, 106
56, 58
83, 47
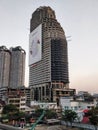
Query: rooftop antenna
68, 38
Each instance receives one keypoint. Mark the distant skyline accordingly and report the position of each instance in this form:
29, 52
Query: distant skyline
79, 19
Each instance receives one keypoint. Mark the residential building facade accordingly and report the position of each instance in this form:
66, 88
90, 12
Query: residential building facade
5, 57
17, 70
12, 69
18, 99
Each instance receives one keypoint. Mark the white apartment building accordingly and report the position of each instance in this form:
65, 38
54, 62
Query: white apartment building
76, 105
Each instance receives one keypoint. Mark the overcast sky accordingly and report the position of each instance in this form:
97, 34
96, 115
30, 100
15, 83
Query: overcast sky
79, 19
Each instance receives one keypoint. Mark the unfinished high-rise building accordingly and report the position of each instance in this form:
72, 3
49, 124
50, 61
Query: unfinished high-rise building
48, 57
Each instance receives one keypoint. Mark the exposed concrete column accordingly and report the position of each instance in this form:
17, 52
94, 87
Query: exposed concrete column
41, 93
32, 93
50, 97
45, 91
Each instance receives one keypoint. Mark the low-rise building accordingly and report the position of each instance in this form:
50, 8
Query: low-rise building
79, 106
2, 104
44, 105
76, 105
18, 99
47, 105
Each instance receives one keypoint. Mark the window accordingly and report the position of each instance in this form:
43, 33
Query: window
75, 108
57, 92
66, 107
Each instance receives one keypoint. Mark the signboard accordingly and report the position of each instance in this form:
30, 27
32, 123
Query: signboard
35, 45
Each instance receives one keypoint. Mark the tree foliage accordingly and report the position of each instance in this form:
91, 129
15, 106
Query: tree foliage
11, 112
93, 116
69, 115
38, 112
10, 108
48, 113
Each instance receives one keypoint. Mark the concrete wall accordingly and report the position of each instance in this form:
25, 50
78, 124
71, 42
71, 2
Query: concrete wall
80, 125
7, 127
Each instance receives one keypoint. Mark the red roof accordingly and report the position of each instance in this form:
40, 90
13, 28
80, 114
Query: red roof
85, 120
85, 110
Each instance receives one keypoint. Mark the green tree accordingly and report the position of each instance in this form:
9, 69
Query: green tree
38, 112
93, 116
10, 108
11, 112
19, 115
69, 116
50, 114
